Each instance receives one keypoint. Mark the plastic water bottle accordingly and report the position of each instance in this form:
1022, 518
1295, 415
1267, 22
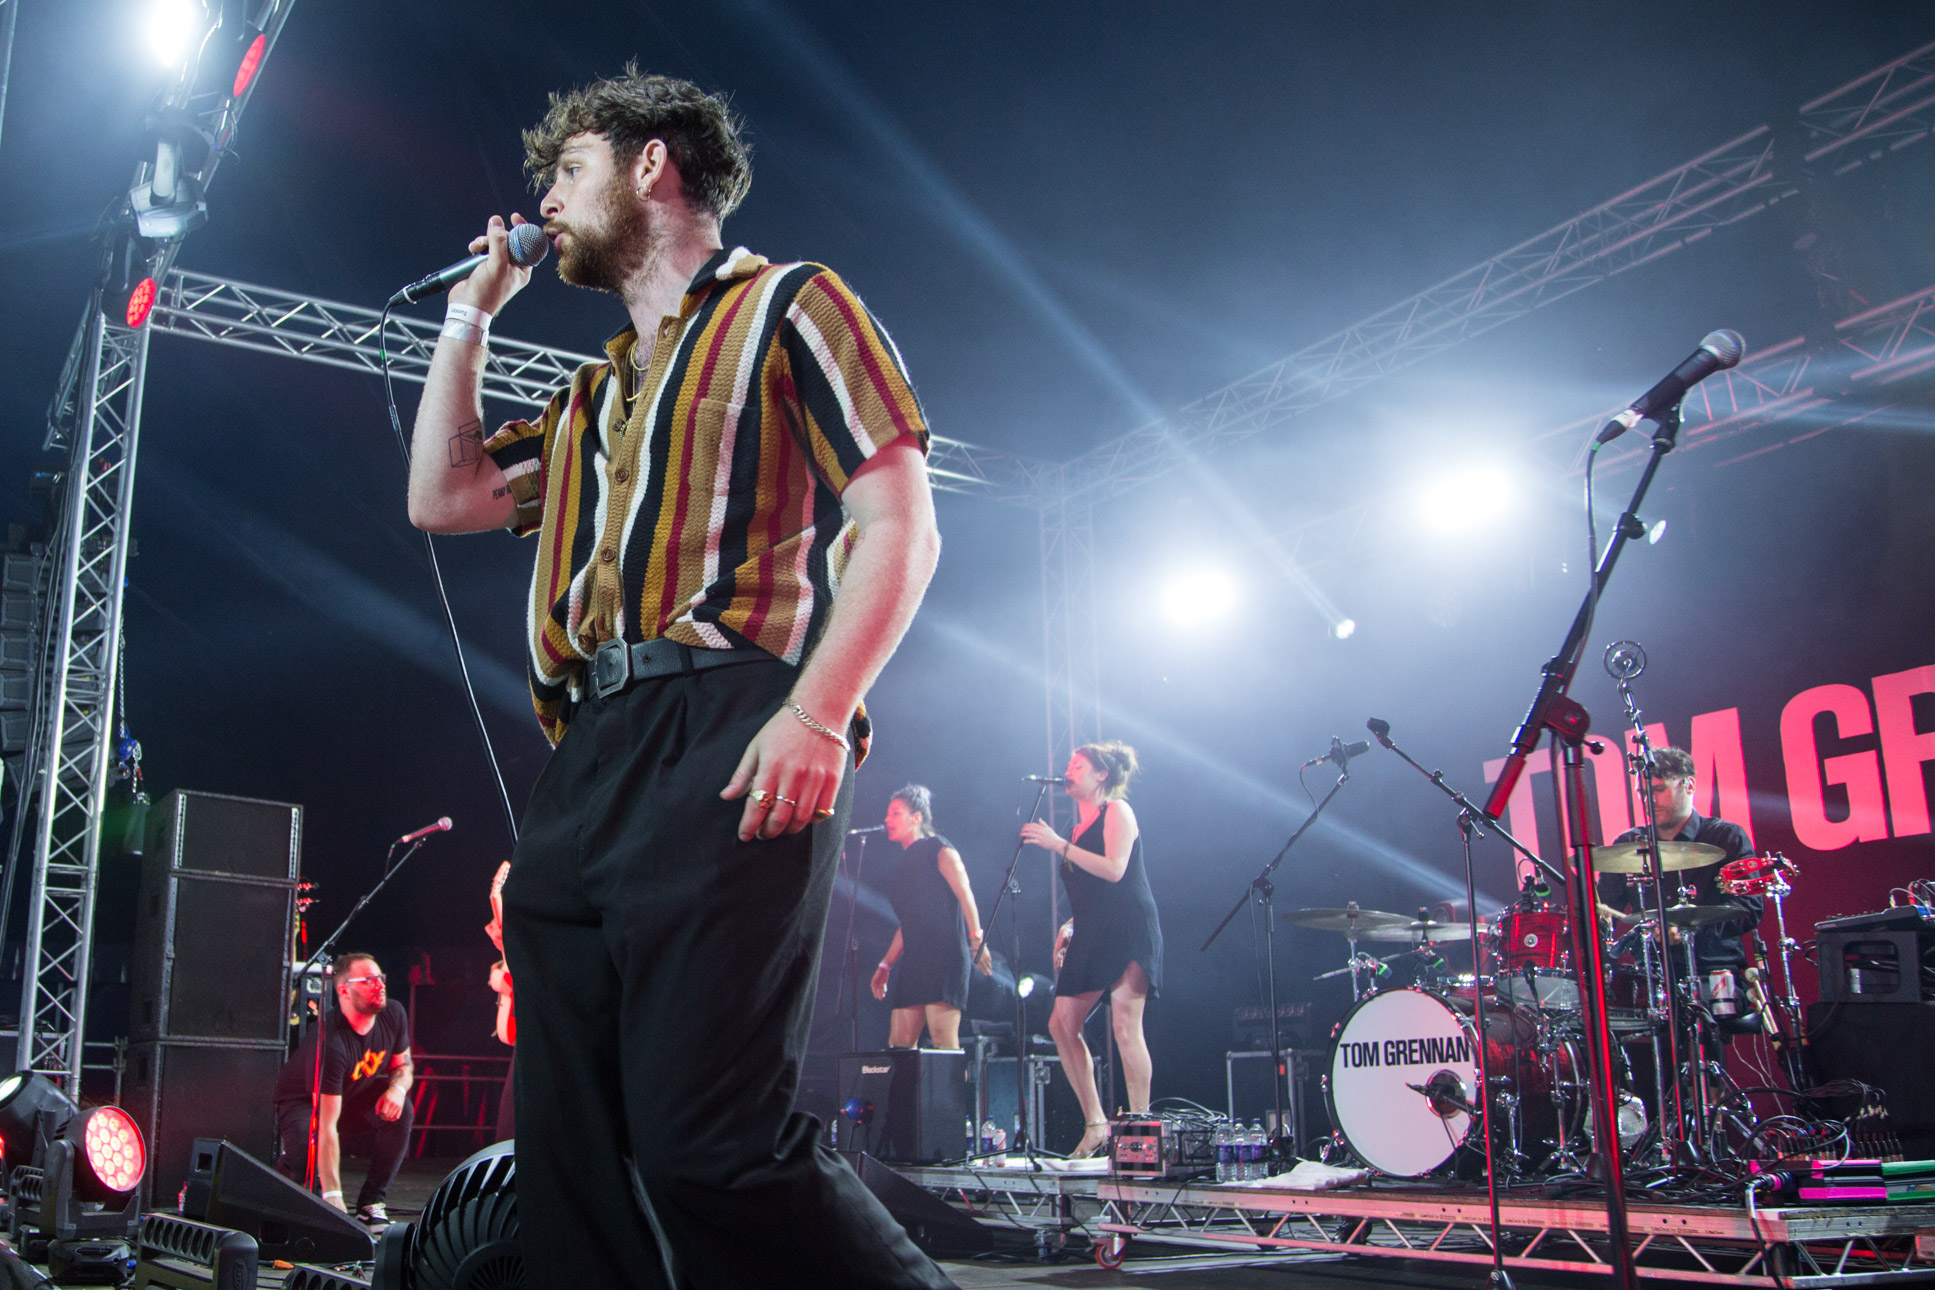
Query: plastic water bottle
1225, 1152
1261, 1137
1253, 1152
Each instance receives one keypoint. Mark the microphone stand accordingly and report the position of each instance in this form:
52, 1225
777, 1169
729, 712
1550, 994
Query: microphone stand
850, 961
322, 1011
1265, 892
1470, 819
1672, 1141
1011, 887
1552, 709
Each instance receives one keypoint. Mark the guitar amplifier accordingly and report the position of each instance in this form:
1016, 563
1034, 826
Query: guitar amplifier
1884, 957
907, 1106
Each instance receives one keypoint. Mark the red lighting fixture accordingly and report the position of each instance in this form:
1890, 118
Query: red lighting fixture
251, 62
112, 1157
141, 301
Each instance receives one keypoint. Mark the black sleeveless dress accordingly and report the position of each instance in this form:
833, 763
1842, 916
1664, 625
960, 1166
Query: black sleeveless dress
1115, 922
933, 965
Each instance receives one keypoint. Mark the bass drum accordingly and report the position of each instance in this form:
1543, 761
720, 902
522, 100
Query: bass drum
1403, 1067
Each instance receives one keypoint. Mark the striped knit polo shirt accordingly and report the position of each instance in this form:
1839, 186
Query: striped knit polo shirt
696, 495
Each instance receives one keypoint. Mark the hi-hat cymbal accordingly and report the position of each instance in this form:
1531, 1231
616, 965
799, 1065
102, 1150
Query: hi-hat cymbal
1694, 915
1421, 929
1347, 920
1630, 857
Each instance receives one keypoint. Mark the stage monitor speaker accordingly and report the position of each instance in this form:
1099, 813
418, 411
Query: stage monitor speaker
178, 1092
940, 1230
1885, 1045
917, 1102
287, 1221
215, 920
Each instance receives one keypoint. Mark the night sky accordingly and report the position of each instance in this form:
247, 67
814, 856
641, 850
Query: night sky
1072, 218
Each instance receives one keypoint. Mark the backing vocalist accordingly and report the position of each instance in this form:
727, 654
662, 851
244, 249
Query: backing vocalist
1113, 941
939, 928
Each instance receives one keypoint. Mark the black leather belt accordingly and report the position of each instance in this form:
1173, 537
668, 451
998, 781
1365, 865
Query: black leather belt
616, 665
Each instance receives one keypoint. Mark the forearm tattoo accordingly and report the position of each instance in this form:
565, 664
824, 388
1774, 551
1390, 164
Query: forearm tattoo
467, 445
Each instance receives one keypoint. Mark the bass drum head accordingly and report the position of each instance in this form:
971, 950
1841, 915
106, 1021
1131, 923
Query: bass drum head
1384, 1045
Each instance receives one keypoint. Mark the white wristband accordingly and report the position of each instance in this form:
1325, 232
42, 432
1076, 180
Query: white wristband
337, 1194
469, 333
468, 313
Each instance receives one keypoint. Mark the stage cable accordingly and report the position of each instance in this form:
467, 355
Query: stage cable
443, 594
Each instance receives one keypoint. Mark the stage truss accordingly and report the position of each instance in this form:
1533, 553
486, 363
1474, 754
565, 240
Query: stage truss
1803, 1248
95, 418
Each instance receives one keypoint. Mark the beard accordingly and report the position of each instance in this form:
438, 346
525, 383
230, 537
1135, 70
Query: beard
606, 257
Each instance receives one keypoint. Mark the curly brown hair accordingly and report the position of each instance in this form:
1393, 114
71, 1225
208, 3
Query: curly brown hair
630, 110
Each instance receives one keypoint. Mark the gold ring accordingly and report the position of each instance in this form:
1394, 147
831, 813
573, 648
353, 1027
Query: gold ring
761, 796
789, 801
824, 813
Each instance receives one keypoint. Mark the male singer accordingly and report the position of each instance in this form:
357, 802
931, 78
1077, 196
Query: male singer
752, 445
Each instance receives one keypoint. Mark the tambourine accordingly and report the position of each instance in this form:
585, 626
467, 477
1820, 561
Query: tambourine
1759, 875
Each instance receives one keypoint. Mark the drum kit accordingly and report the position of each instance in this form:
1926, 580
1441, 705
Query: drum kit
1402, 1080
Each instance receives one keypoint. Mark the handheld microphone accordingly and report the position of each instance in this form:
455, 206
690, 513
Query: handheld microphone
441, 826
529, 246
1720, 350
871, 828
1340, 752
1045, 779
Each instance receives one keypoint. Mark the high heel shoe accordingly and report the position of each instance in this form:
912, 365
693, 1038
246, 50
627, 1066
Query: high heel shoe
1095, 1139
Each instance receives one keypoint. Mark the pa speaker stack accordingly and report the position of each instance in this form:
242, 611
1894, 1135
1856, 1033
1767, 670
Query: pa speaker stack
210, 1010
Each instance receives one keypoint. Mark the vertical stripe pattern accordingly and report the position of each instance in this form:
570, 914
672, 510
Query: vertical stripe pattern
705, 507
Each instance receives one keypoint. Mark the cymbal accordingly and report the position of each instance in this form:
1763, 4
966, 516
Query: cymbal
1630, 857
1693, 915
1422, 929
1348, 920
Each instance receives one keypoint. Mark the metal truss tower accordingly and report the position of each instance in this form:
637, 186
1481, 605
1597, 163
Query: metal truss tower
96, 419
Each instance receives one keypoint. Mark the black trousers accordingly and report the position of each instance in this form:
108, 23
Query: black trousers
359, 1128
664, 990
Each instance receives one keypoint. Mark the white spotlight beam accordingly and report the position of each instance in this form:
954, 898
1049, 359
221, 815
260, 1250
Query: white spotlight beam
1883, 111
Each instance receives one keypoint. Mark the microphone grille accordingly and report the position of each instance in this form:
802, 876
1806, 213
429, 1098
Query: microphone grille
529, 246
1727, 345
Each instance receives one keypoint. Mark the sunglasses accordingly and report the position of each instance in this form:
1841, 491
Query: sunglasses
378, 977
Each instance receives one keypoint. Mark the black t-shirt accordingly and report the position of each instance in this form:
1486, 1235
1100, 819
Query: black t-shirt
353, 1064
1715, 945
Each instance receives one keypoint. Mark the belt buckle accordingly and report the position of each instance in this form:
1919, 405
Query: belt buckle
610, 668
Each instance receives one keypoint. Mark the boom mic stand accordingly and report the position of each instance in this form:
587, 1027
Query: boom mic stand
1553, 710
390, 870
850, 961
1470, 819
1010, 887
1265, 892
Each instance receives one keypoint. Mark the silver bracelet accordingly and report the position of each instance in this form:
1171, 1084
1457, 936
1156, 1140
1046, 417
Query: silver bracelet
469, 333
819, 729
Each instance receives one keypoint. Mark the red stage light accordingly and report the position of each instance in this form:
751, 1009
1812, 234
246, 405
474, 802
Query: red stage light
251, 61
141, 301
111, 1149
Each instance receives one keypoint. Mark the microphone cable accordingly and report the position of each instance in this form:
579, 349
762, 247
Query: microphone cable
443, 594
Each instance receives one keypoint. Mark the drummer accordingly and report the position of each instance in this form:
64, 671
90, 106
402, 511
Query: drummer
1716, 945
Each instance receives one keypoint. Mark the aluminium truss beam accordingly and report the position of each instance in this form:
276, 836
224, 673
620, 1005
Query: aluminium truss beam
1889, 108
223, 311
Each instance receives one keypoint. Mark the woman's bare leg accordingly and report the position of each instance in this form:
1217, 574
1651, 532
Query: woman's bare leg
903, 1027
944, 1025
1126, 1002
1065, 1025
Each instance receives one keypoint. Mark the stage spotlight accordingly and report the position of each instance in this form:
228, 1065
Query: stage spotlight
1654, 534
1200, 595
112, 1157
173, 28
1344, 628
25, 1097
1465, 500
1030, 983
